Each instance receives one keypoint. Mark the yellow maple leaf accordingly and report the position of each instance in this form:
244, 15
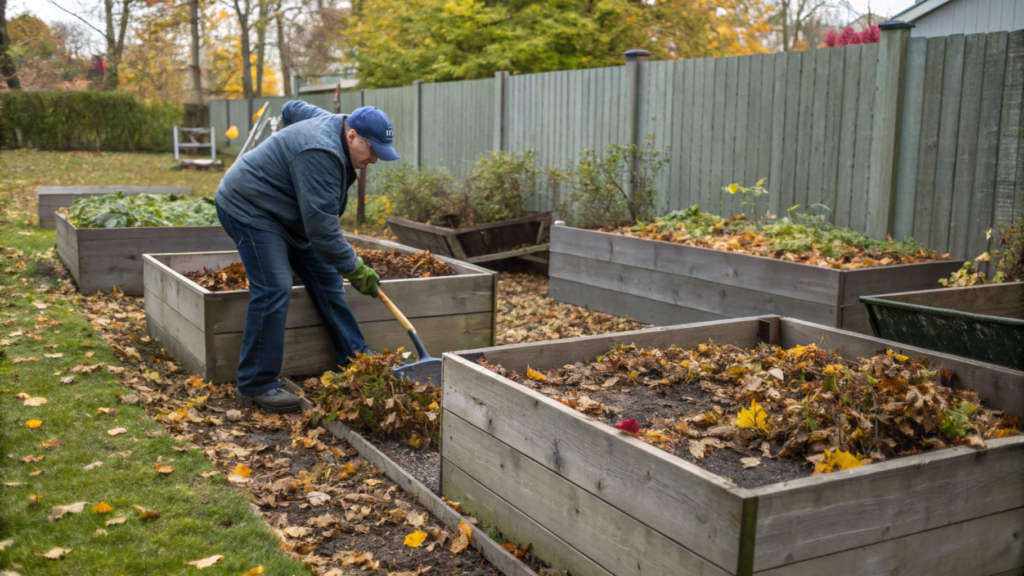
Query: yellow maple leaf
753, 417
102, 508
232, 133
242, 470
836, 460
534, 375
34, 423
254, 571
798, 351
415, 539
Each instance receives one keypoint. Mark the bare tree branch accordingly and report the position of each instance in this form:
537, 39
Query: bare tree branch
84, 21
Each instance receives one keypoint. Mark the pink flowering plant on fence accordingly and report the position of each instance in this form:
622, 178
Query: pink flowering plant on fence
870, 35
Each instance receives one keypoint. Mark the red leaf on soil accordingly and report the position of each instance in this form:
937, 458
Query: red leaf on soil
628, 426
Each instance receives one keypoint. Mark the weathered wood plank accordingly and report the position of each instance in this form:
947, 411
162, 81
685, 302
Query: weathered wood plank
707, 133
885, 501
697, 510
865, 137
805, 127
977, 547
790, 110
1009, 129
778, 277
182, 295
755, 96
983, 197
833, 129
1006, 299
931, 108
949, 128
308, 350
688, 291
183, 340
682, 170
611, 536
517, 527
848, 135
737, 169
769, 162
727, 171
816, 155
910, 138
696, 147
899, 278
967, 145
626, 305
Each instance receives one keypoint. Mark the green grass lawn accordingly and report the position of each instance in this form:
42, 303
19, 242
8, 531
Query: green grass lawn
199, 517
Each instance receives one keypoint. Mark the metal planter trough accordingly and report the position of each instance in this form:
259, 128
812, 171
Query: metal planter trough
593, 500
525, 238
983, 323
49, 199
101, 258
663, 283
203, 330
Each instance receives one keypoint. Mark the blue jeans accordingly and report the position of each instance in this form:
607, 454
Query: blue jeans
269, 261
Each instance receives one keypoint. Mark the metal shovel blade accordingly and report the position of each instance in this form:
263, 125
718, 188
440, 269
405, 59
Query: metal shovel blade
426, 370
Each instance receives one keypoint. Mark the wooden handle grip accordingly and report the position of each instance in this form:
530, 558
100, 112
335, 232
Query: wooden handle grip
394, 310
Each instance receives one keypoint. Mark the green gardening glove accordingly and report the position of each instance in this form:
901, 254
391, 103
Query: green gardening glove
364, 279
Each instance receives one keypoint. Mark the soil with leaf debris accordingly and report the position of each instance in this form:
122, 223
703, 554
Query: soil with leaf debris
526, 314
767, 415
328, 507
809, 241
389, 265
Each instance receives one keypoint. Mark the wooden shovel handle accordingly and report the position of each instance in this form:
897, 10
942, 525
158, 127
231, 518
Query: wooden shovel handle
394, 310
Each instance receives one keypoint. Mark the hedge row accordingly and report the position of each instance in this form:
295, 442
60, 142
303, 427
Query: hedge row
89, 120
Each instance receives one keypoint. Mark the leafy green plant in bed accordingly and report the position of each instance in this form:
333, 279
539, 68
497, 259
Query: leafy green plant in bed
120, 211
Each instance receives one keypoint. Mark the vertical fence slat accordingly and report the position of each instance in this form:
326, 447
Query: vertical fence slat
967, 143
910, 138
678, 157
789, 143
949, 128
726, 170
766, 168
833, 128
777, 111
706, 133
983, 198
753, 121
1009, 131
739, 171
931, 108
865, 137
805, 128
816, 155
848, 134
696, 142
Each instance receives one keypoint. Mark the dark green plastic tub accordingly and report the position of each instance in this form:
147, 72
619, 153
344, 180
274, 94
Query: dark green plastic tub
983, 323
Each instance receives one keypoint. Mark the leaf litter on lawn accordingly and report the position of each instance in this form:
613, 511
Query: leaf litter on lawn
356, 517
769, 414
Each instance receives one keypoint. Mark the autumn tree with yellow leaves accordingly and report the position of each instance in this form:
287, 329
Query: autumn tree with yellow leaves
397, 41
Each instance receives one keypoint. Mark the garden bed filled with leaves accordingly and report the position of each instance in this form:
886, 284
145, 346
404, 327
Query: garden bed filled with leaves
814, 243
388, 264
768, 414
715, 447
694, 267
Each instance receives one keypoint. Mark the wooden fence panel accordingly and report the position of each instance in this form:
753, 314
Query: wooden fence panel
910, 137
457, 124
1010, 131
928, 146
848, 135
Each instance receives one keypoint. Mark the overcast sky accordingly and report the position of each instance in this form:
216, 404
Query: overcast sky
48, 12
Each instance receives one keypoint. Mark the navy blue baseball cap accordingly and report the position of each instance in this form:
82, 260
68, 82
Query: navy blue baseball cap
374, 125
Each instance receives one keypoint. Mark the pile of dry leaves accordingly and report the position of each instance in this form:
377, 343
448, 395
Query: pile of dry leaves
371, 400
801, 403
525, 314
822, 246
389, 265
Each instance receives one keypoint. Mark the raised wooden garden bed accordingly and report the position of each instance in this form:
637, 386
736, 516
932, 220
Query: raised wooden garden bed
49, 199
984, 323
663, 283
593, 500
203, 330
101, 258
525, 238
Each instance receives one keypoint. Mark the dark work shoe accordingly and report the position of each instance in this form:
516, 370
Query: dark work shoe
276, 401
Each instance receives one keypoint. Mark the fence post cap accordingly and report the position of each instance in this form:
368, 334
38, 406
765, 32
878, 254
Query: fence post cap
559, 222
895, 25
637, 55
